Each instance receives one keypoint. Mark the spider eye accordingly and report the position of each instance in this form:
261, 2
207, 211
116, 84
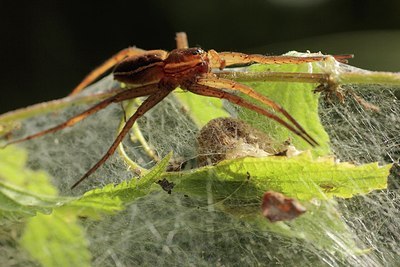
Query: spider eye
196, 51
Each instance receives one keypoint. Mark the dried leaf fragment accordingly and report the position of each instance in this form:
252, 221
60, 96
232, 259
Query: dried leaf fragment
277, 207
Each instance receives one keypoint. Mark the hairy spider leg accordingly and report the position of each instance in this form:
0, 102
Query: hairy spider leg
108, 64
181, 40
149, 103
343, 58
124, 95
234, 58
216, 82
218, 93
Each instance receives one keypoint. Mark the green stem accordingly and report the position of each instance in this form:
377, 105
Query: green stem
355, 77
51, 106
267, 76
129, 110
370, 77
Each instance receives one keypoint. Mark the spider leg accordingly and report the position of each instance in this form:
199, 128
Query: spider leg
181, 40
235, 58
127, 94
216, 82
343, 58
218, 93
109, 63
150, 102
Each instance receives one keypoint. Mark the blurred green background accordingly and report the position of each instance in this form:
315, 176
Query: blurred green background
47, 47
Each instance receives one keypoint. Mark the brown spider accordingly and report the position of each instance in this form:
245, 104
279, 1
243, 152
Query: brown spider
156, 73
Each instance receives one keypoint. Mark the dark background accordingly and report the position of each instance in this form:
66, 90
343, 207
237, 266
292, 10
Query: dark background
47, 47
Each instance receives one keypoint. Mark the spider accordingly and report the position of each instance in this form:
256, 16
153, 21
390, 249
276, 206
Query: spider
156, 73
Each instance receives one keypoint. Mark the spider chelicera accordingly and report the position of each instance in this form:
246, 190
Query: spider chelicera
156, 73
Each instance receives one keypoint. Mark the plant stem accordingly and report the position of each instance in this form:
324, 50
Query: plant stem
354, 77
53, 105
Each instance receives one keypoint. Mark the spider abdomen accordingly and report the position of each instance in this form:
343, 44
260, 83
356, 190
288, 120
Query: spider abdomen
139, 70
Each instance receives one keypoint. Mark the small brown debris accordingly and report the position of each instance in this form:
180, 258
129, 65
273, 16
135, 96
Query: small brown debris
277, 207
166, 185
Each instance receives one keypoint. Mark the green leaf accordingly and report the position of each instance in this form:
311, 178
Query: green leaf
12, 169
301, 177
298, 100
33, 193
321, 226
201, 109
17, 203
53, 238
29, 192
52, 235
128, 191
56, 240
237, 186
